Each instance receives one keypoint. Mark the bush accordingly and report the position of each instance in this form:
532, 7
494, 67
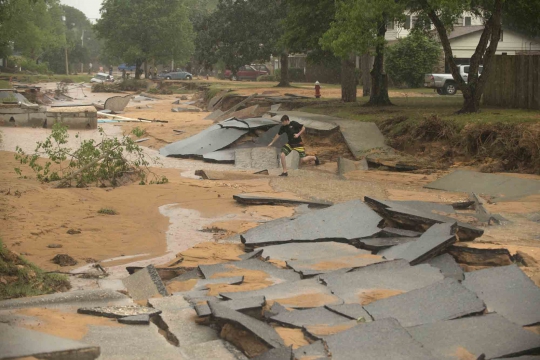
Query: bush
102, 163
411, 58
266, 78
133, 85
30, 65
107, 211
105, 87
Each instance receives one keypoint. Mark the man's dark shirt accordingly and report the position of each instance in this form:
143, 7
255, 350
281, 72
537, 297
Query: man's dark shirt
290, 130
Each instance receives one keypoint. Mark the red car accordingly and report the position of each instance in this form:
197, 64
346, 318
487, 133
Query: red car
246, 72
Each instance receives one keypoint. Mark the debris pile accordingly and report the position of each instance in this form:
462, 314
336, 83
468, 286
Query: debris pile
377, 278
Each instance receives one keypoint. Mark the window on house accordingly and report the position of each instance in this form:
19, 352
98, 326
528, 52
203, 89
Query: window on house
458, 22
414, 19
501, 37
407, 22
390, 25
468, 21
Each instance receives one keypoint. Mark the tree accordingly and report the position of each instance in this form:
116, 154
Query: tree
442, 14
31, 27
306, 22
360, 25
139, 30
411, 58
241, 32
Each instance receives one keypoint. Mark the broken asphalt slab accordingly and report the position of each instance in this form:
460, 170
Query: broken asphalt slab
274, 273
430, 244
317, 258
315, 316
254, 199
310, 121
202, 284
314, 351
256, 302
417, 214
72, 298
491, 334
377, 244
383, 339
117, 103
448, 266
247, 124
395, 232
304, 294
352, 311
145, 284
212, 350
283, 353
502, 187
209, 140
119, 311
365, 284
176, 320
341, 222
481, 257
507, 291
216, 100
18, 343
261, 330
444, 300
135, 320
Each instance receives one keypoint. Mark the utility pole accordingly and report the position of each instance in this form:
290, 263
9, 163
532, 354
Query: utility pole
67, 62
82, 45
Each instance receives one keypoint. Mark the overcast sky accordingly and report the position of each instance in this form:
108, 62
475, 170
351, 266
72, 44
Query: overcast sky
89, 7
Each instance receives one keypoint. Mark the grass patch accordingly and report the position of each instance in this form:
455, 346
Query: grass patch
107, 211
4, 84
20, 278
27, 78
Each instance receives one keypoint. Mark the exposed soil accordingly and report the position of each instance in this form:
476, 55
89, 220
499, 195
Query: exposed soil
369, 296
292, 337
63, 324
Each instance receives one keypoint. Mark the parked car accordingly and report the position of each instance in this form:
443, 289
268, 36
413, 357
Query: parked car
261, 67
126, 67
445, 83
101, 78
176, 75
246, 72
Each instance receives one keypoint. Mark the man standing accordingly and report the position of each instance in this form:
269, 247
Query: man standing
294, 130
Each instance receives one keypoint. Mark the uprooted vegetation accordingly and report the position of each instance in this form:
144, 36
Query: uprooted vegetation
125, 85
495, 146
111, 162
20, 278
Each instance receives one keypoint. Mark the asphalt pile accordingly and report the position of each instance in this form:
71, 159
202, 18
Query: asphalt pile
376, 278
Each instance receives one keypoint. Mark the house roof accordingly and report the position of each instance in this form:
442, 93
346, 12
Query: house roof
464, 30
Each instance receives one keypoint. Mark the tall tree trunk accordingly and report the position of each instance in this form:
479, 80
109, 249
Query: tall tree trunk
379, 79
365, 65
146, 69
284, 78
485, 50
137, 69
348, 79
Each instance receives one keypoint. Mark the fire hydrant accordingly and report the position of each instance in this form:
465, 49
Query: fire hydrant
317, 90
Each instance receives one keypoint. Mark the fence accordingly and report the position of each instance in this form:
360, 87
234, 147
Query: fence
514, 82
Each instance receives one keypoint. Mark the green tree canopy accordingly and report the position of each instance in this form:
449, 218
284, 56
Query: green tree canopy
135, 31
31, 27
412, 57
360, 26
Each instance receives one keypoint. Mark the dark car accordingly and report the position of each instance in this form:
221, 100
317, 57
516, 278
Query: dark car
126, 67
176, 75
246, 72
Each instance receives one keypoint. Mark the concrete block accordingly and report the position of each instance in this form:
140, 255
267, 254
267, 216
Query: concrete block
145, 284
256, 158
76, 117
345, 166
292, 160
18, 343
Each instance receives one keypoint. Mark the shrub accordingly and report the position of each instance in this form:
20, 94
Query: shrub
105, 87
102, 163
133, 85
107, 211
30, 65
138, 132
411, 58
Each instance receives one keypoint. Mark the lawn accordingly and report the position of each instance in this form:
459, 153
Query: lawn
32, 79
